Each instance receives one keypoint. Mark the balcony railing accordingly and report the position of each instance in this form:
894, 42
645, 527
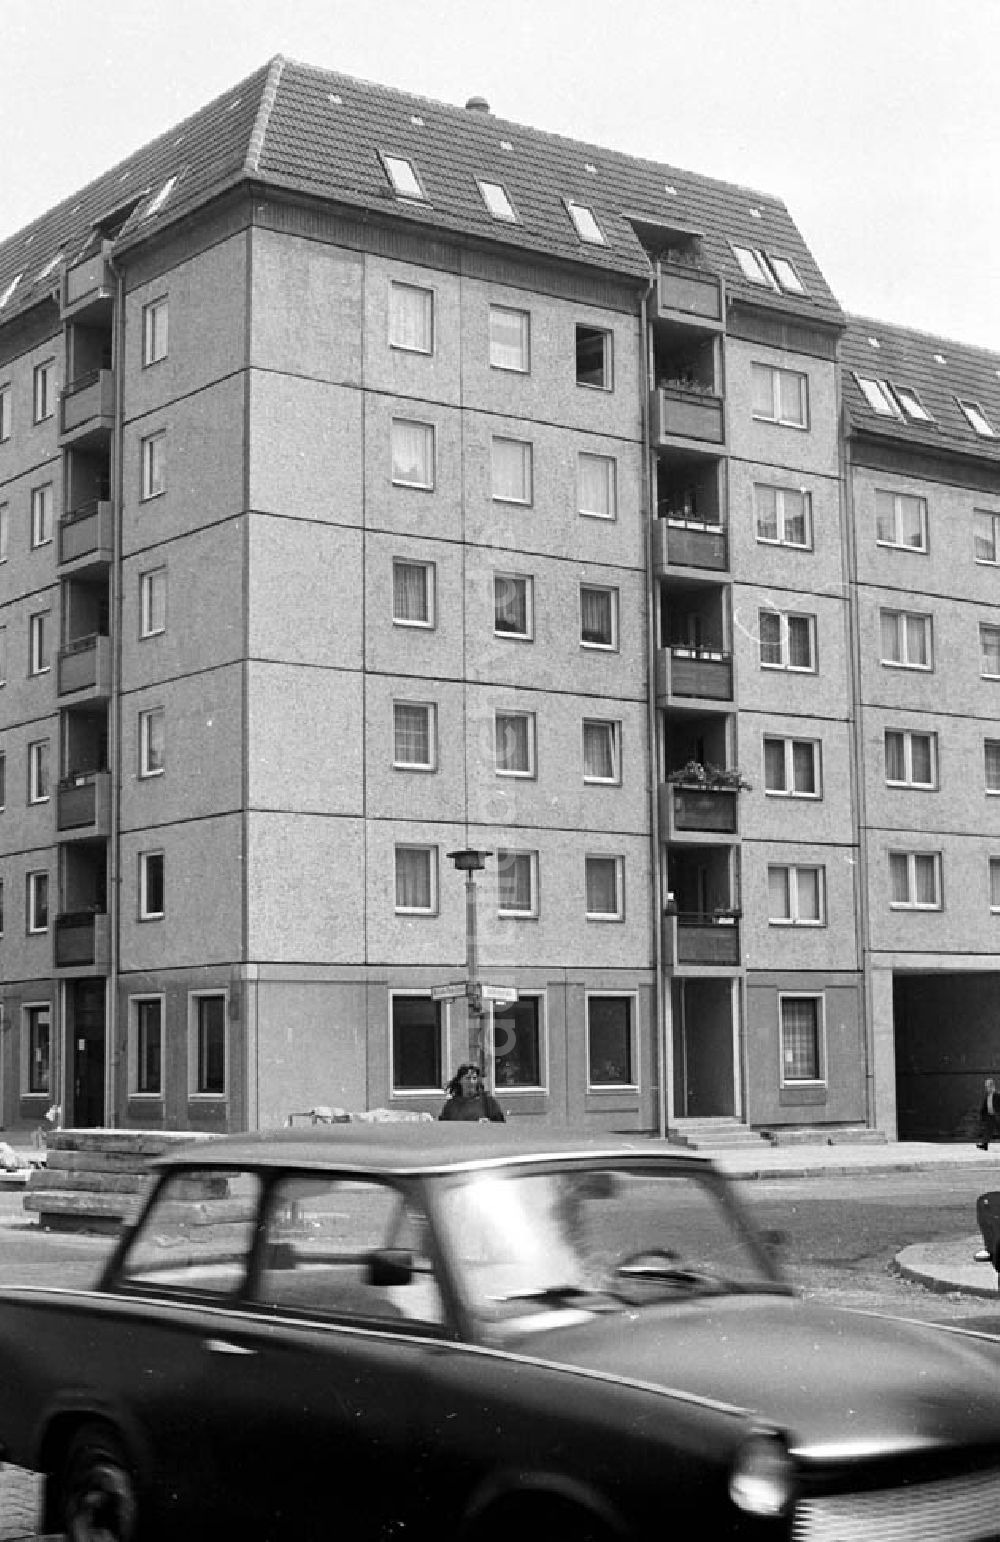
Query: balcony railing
87, 407
694, 672
82, 941
690, 543
698, 810
684, 291
88, 282
693, 937
85, 665
86, 535
686, 413
83, 805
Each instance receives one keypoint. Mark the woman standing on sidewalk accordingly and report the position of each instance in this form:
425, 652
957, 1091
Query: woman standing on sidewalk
989, 1116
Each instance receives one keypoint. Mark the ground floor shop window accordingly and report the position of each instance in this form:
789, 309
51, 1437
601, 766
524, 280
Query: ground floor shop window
415, 1030
611, 1041
517, 1044
801, 1039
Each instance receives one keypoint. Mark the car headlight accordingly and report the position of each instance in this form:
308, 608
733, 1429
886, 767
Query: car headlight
762, 1480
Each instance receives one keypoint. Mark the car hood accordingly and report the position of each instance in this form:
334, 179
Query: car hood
840, 1383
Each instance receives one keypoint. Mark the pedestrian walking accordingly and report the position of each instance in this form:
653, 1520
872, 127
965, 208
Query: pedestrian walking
468, 1098
989, 1116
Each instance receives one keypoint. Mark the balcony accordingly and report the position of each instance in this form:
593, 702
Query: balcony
87, 409
86, 537
83, 806
693, 674
700, 940
689, 543
689, 295
84, 669
83, 942
699, 812
688, 418
88, 288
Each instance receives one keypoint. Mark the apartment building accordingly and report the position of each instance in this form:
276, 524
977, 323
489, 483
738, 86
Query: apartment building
382, 483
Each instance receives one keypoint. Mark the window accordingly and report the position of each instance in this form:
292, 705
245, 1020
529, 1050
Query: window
585, 223
792, 768
44, 390
596, 485
41, 515
795, 896
412, 453
611, 1049
5, 413
159, 199
517, 1043
991, 754
38, 902
783, 514
514, 743
977, 419
38, 771
598, 616
153, 602
787, 641
517, 883
411, 318
512, 471
984, 537
3, 781
39, 661
755, 267
906, 639
154, 466
602, 750
801, 1033
154, 331
495, 198
605, 900
146, 1046
152, 741
414, 729
989, 652
412, 593
38, 1033
1, 907
4, 531
513, 607
780, 396
901, 520
208, 1051
594, 357
150, 885
416, 1044
405, 182
879, 396
995, 884
510, 339
3, 655
911, 404
416, 879
915, 880
910, 758
784, 272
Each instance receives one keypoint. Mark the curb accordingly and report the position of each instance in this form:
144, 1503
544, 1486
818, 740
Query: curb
841, 1170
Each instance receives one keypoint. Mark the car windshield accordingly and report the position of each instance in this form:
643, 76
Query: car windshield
582, 1240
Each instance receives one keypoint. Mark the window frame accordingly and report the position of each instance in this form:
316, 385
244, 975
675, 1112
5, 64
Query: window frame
155, 347
910, 903
975, 415
615, 727
39, 651
198, 1052
992, 790
153, 465
616, 916
782, 522
820, 1080
499, 208
508, 634
135, 1047
39, 779
926, 618
908, 735
792, 871
789, 790
397, 287
527, 498
43, 393
784, 617
3, 655
519, 854
898, 500
978, 516
3, 780
431, 852
34, 879
147, 629
440, 1054
497, 1009
776, 372
611, 590
144, 911
42, 516
610, 465
879, 395
585, 222
429, 622
429, 436
985, 630
147, 715
494, 342
429, 708
6, 412
406, 184
523, 775
32, 1013
607, 340
993, 868
634, 1085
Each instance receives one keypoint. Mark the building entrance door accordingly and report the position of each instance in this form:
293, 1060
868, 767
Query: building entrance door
705, 1050
87, 1027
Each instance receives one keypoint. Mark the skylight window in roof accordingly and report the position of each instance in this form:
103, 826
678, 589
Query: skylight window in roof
160, 198
5, 296
911, 404
585, 221
754, 266
404, 179
977, 419
50, 266
505, 144
786, 275
879, 397
496, 200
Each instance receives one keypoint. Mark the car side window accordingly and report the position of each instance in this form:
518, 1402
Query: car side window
347, 1248
198, 1233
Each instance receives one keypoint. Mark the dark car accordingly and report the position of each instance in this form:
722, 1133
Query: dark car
413, 1331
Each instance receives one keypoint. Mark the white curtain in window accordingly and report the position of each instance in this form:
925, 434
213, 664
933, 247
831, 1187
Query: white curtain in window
895, 757
911, 521
803, 767
409, 591
602, 886
512, 470
596, 485
792, 396
412, 725
800, 1039
925, 875
778, 898
411, 317
596, 616
917, 635
514, 880
508, 338
774, 765
899, 878
808, 893
800, 642
412, 452
599, 752
766, 508
889, 623
510, 604
413, 878
769, 631
513, 742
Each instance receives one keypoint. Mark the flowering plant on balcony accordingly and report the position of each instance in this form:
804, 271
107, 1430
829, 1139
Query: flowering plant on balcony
709, 778
686, 383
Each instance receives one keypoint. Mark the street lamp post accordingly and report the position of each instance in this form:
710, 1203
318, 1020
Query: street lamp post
471, 861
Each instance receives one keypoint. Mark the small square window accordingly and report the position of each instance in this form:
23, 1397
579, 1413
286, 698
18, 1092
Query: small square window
151, 903
517, 883
39, 660
787, 641
5, 413
152, 742
411, 318
514, 743
796, 896
594, 357
512, 606
153, 602
38, 771
412, 454
611, 1046
780, 396
915, 880
412, 593
597, 485
792, 768
901, 520
801, 1032
154, 466
510, 339
414, 728
416, 880
38, 902
602, 751
41, 515
585, 223
146, 1047
910, 758
154, 332
44, 393
404, 179
977, 419
512, 471
598, 616
495, 198
906, 639
605, 899
783, 515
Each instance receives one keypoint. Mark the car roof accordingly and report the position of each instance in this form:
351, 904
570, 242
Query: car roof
417, 1147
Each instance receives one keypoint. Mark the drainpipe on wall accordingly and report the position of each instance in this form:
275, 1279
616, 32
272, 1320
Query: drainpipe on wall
114, 715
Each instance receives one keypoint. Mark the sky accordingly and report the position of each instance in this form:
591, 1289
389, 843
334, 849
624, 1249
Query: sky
876, 121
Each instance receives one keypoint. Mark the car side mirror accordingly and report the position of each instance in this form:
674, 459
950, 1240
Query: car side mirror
389, 1266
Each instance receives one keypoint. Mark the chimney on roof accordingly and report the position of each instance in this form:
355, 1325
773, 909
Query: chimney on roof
477, 104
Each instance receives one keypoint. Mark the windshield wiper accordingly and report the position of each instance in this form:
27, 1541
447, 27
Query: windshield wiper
559, 1295
674, 1274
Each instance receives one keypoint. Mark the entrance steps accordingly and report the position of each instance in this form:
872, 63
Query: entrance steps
727, 1134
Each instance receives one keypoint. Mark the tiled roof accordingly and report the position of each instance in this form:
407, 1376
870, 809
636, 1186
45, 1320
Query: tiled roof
941, 372
319, 133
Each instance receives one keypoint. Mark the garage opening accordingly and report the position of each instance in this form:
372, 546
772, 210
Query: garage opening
946, 1029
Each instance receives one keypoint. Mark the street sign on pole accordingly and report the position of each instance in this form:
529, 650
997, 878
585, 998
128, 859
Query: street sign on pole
502, 994
449, 992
